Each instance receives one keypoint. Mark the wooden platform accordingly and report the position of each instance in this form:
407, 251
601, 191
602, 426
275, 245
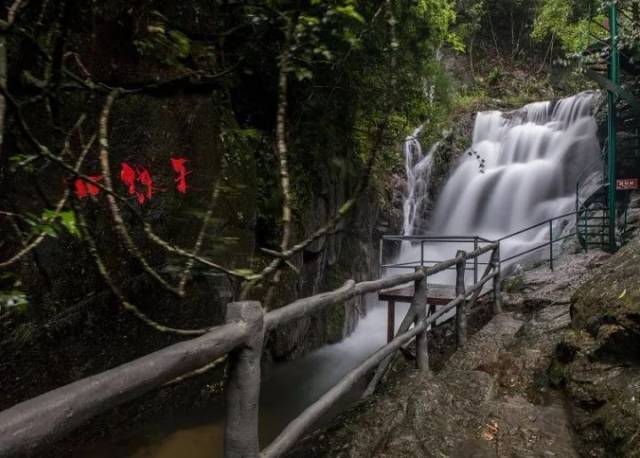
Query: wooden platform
437, 294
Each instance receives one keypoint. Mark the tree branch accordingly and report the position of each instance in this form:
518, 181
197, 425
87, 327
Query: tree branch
93, 250
113, 205
215, 194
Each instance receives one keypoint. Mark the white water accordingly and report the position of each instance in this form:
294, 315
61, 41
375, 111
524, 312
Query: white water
521, 169
418, 169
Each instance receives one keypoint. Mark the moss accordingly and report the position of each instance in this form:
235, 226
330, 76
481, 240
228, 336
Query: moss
557, 373
513, 284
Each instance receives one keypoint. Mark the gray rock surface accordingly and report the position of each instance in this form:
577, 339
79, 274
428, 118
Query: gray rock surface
598, 360
492, 399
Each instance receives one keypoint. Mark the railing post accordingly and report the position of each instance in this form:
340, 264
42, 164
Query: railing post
461, 310
391, 320
422, 346
497, 280
475, 261
243, 383
551, 244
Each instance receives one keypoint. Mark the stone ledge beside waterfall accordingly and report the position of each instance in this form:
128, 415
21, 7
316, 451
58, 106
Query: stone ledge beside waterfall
597, 364
500, 398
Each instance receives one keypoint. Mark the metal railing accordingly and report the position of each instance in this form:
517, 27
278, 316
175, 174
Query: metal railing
39, 421
477, 241
549, 243
592, 222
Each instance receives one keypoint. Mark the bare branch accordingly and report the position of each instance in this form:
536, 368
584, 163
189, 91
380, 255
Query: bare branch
330, 226
215, 194
283, 166
45, 153
202, 370
181, 252
281, 148
93, 250
113, 205
12, 14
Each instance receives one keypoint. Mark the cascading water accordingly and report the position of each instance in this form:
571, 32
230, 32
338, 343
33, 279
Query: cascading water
418, 170
521, 169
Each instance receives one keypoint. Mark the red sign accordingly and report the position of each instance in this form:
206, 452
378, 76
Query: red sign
626, 184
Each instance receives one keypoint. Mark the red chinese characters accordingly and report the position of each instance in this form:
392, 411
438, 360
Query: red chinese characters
144, 178
84, 188
128, 177
138, 182
179, 166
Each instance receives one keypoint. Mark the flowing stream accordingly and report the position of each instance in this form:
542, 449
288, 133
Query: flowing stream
521, 169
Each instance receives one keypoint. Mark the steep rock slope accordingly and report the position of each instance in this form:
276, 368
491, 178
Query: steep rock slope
598, 361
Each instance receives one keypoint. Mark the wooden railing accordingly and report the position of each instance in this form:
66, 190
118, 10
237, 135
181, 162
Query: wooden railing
39, 421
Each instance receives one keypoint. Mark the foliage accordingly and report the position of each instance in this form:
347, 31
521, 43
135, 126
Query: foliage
360, 76
54, 223
569, 21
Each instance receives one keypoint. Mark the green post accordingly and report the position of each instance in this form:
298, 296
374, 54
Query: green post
615, 78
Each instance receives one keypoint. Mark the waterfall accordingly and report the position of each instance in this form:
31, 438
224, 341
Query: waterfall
521, 169
418, 170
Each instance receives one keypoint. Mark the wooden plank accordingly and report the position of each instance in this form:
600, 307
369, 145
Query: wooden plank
438, 294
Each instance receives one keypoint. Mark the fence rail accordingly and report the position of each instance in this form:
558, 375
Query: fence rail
39, 421
423, 240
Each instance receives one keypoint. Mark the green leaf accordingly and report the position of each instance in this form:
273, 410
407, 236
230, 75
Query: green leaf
68, 220
350, 12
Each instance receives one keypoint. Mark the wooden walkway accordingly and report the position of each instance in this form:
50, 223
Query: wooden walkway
436, 295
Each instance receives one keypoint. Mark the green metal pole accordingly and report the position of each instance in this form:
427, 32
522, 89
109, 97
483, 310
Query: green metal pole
615, 78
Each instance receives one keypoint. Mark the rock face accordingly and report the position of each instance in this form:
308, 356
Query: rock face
489, 401
598, 361
493, 398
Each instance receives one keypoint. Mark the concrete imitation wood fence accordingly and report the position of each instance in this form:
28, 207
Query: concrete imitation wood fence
37, 422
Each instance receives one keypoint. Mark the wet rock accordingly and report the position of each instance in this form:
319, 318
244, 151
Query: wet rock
494, 398
419, 414
598, 360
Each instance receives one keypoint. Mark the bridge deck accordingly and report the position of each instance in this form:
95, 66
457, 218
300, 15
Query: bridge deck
436, 294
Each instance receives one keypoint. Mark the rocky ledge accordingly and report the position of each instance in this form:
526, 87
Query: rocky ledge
496, 397
598, 361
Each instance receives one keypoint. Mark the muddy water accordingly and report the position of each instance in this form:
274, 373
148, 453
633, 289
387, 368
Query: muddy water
289, 389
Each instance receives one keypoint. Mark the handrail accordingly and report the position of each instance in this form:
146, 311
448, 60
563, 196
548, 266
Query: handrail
294, 430
468, 239
547, 221
45, 418
33, 423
